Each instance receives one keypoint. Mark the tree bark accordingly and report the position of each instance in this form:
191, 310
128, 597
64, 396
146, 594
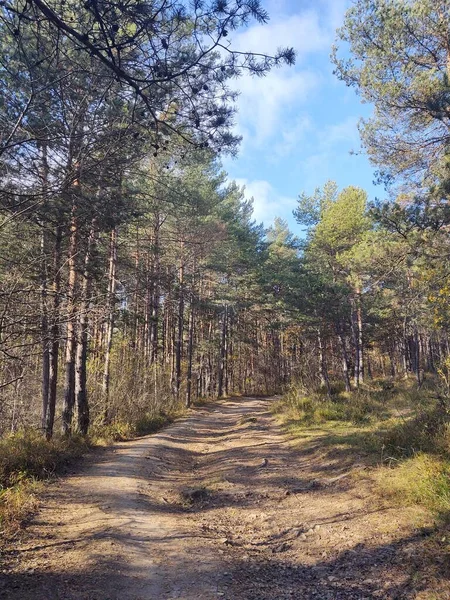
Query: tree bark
223, 354
69, 382
154, 320
190, 357
55, 335
180, 330
81, 396
323, 370
345, 369
111, 305
359, 321
45, 333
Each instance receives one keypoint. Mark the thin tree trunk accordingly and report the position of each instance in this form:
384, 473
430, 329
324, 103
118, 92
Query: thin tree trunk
55, 335
111, 304
69, 382
359, 322
179, 335
355, 338
155, 294
223, 354
189, 357
345, 369
405, 350
430, 356
81, 397
323, 370
45, 333
417, 355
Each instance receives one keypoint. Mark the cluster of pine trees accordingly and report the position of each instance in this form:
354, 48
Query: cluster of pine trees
130, 268
376, 280
132, 274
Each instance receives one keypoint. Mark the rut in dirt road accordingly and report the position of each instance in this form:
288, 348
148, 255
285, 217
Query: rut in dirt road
220, 505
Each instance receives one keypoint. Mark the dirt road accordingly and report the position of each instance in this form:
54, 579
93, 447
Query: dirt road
219, 505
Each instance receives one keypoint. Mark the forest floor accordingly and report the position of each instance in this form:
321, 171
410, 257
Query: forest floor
223, 504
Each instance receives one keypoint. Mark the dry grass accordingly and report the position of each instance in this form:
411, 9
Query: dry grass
17, 503
26, 455
26, 459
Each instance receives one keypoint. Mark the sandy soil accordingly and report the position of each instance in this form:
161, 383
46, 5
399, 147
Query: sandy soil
220, 505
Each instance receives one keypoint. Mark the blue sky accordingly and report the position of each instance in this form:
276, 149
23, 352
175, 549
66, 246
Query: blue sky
298, 124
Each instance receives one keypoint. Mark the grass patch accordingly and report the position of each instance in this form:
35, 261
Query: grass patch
421, 479
403, 432
27, 455
26, 458
122, 431
17, 503
317, 408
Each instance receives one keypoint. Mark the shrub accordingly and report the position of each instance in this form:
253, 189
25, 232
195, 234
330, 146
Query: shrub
151, 423
427, 431
117, 431
16, 504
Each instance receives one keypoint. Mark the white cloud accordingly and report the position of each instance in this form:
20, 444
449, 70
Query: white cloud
267, 106
267, 203
301, 31
264, 102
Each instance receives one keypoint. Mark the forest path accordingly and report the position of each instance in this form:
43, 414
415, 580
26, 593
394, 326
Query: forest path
219, 505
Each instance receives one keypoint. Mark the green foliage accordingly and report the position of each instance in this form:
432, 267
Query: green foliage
399, 63
360, 408
422, 479
310, 209
428, 430
343, 223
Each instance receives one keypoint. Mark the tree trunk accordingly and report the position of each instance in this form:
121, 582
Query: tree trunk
323, 370
355, 339
111, 305
69, 383
45, 333
405, 350
189, 357
223, 355
359, 322
345, 369
81, 397
155, 294
430, 356
416, 357
180, 329
54, 335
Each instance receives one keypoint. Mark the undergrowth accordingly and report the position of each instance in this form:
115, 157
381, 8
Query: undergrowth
120, 431
403, 431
